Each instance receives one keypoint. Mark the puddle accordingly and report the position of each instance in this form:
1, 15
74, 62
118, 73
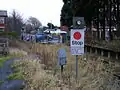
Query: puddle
5, 71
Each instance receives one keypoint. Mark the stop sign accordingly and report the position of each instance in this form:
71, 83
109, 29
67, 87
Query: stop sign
77, 41
77, 38
77, 35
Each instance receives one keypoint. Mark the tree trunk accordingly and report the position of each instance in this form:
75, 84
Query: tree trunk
98, 34
110, 22
103, 34
118, 18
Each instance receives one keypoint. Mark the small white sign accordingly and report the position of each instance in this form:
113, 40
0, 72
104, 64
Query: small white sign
77, 41
3, 13
77, 50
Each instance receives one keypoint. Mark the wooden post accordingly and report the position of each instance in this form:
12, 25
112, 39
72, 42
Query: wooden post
90, 49
86, 49
116, 56
102, 52
96, 52
108, 54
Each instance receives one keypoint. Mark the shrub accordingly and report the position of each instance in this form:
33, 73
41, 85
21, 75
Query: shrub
9, 34
13, 34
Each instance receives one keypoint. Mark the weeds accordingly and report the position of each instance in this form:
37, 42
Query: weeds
3, 59
15, 76
44, 73
1, 82
33, 73
18, 74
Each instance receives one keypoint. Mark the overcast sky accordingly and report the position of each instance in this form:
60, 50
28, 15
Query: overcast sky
45, 10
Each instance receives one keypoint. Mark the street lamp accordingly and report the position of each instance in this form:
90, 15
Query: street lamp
78, 22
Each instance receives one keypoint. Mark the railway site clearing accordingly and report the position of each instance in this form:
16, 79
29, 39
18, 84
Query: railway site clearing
38, 68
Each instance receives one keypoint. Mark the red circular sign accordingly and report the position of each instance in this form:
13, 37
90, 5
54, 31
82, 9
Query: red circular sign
77, 35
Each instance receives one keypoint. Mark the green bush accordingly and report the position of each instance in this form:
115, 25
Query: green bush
16, 76
11, 34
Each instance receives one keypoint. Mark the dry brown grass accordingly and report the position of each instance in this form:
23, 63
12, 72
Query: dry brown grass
20, 45
43, 73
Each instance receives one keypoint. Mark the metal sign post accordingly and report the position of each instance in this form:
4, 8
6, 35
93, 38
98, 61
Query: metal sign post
77, 39
76, 66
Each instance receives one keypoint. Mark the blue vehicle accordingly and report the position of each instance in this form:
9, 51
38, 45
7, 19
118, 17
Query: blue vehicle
40, 37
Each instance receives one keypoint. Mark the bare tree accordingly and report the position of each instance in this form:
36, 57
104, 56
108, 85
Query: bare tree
15, 22
34, 22
28, 28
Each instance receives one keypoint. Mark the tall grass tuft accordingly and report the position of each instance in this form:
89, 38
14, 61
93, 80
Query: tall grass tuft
43, 73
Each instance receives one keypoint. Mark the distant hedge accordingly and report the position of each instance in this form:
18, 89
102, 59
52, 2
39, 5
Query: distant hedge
55, 34
12, 34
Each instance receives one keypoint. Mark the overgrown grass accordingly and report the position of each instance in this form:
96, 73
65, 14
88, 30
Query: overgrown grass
17, 53
3, 59
18, 74
43, 73
14, 53
1, 82
15, 76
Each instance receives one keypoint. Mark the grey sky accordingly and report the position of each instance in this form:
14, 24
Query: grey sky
45, 10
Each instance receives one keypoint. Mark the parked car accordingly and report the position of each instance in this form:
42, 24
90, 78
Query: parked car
40, 37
